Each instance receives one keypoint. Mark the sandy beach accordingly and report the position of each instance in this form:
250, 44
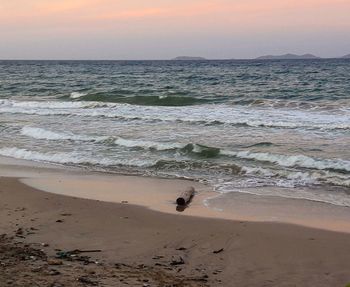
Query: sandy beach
143, 246
174, 143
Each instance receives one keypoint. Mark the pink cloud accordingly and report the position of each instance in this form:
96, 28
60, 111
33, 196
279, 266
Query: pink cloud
214, 14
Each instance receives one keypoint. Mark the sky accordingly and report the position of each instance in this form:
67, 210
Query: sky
163, 29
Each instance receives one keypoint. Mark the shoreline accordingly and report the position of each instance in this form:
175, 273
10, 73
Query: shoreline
159, 194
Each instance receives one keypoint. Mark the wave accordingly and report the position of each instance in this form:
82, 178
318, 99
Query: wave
340, 105
290, 178
243, 176
338, 198
86, 159
189, 148
295, 125
77, 95
299, 160
201, 150
261, 144
72, 158
164, 100
161, 146
196, 115
39, 133
50, 104
302, 161
165, 165
232, 175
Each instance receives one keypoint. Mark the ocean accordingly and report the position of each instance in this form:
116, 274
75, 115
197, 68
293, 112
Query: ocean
269, 128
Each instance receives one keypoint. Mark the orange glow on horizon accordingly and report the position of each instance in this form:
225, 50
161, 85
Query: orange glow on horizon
15, 10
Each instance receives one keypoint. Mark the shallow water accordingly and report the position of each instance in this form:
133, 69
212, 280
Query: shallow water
231, 124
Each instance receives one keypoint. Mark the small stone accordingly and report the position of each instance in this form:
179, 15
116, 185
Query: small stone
36, 269
19, 231
54, 272
177, 260
181, 249
54, 262
218, 251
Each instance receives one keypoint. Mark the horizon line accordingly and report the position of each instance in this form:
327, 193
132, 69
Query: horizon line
180, 60
201, 58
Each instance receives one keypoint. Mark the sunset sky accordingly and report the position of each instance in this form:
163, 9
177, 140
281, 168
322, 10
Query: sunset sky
162, 29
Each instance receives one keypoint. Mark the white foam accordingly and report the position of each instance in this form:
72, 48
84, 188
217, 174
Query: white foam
70, 158
291, 178
283, 183
77, 95
39, 133
335, 198
293, 160
148, 144
224, 114
52, 104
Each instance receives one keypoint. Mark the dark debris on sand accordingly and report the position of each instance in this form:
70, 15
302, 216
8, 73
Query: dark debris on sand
25, 265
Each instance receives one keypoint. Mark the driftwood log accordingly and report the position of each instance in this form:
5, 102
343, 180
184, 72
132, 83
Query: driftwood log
185, 196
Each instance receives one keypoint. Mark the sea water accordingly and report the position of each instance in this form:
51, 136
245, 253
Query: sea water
238, 126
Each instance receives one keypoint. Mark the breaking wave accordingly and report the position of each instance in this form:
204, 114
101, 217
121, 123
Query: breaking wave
147, 144
189, 148
77, 95
249, 176
290, 178
302, 161
71, 158
165, 100
39, 133
335, 105
299, 160
201, 115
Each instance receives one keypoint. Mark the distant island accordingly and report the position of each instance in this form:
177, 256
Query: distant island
288, 57
187, 58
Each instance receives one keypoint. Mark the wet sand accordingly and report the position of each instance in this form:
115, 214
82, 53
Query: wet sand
160, 195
